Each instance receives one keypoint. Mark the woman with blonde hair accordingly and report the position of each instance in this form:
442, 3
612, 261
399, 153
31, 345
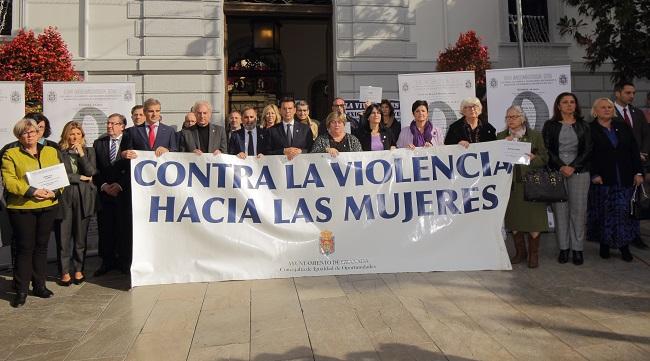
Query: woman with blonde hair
270, 116
615, 171
78, 202
336, 140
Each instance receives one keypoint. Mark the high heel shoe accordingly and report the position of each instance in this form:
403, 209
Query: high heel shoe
63, 283
78, 281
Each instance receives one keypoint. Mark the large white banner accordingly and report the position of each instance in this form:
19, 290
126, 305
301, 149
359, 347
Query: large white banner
212, 218
88, 103
443, 91
534, 89
12, 108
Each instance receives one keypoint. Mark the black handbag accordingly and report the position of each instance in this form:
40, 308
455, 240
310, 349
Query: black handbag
544, 185
640, 202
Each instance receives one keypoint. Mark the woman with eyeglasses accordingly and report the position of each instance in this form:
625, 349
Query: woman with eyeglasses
32, 210
470, 128
521, 216
336, 140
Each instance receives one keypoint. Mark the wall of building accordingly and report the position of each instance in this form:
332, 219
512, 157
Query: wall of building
172, 50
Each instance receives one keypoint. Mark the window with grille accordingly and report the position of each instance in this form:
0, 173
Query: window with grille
535, 19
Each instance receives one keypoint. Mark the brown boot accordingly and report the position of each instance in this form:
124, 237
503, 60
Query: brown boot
520, 248
533, 251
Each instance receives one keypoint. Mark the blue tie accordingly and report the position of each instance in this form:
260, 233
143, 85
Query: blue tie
113, 151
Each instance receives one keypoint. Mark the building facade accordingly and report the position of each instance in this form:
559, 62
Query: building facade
180, 51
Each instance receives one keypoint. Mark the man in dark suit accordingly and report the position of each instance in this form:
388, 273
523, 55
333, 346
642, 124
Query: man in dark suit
289, 137
114, 216
633, 117
137, 114
338, 106
250, 139
151, 135
204, 137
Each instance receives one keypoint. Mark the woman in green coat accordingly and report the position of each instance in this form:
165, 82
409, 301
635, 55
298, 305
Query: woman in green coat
521, 216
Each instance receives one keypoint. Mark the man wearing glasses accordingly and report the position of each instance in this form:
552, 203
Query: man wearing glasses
113, 219
338, 106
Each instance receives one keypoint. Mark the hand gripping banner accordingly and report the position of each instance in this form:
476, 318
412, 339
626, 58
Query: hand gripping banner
200, 218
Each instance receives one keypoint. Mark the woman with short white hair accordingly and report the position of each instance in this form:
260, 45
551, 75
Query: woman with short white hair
521, 216
470, 128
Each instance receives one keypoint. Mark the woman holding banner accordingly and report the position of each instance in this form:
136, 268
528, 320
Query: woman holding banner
421, 132
78, 202
567, 138
470, 128
375, 135
521, 216
336, 140
615, 171
32, 210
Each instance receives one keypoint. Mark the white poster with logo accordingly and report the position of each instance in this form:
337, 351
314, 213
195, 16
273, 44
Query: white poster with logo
87, 103
443, 91
534, 89
12, 108
213, 218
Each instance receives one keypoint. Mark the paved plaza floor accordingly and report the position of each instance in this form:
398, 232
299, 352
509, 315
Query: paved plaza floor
598, 311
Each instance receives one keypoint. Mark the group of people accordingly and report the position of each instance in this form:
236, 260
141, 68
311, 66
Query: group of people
601, 163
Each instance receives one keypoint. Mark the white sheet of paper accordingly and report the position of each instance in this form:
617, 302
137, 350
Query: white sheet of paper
51, 178
515, 152
370, 93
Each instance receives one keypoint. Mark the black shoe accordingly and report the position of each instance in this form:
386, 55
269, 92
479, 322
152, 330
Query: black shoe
78, 281
42, 292
564, 256
625, 254
638, 243
18, 300
577, 258
102, 270
604, 251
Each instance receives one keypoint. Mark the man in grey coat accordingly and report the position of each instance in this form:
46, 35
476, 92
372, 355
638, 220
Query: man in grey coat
203, 137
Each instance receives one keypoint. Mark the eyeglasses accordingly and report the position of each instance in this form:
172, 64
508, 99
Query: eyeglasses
28, 133
470, 107
339, 105
513, 116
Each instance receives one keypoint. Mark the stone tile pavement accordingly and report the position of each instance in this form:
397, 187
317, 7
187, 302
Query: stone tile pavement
598, 311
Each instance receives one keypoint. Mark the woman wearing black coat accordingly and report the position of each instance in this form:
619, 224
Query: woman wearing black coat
375, 135
470, 128
79, 202
615, 171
